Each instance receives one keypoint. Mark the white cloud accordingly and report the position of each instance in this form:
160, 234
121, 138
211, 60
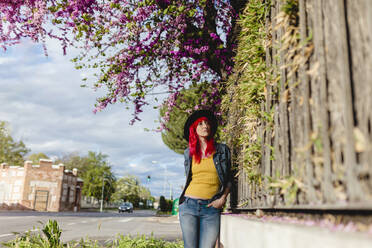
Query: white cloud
42, 100
6, 60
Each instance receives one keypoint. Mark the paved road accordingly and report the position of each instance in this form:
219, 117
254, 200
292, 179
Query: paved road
95, 225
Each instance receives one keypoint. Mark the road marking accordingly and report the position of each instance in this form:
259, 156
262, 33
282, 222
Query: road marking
84, 221
126, 220
16, 217
6, 235
69, 224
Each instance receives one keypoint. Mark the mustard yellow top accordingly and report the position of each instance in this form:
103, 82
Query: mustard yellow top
204, 182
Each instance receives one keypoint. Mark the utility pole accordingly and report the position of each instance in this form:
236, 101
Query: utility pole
103, 188
165, 179
170, 191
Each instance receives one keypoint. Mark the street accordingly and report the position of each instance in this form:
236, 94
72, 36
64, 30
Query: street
95, 225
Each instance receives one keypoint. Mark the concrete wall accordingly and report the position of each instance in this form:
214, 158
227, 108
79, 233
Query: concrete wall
11, 184
239, 232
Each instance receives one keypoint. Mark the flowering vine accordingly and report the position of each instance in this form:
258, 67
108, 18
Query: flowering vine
137, 46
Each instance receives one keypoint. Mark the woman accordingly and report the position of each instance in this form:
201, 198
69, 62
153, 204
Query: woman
208, 182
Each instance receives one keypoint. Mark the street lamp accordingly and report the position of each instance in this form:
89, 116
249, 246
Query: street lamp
166, 181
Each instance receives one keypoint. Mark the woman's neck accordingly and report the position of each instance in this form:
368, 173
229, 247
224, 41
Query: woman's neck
203, 145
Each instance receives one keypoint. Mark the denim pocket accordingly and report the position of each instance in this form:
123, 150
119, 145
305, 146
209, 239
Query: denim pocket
218, 209
212, 210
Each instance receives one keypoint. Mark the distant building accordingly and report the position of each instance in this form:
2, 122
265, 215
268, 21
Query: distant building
42, 187
91, 202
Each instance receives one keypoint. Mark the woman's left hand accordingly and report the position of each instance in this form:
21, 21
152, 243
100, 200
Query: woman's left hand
218, 203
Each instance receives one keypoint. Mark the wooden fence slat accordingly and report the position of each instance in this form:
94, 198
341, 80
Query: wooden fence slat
274, 137
267, 141
338, 73
283, 115
277, 140
314, 106
319, 75
359, 21
304, 86
293, 119
267, 107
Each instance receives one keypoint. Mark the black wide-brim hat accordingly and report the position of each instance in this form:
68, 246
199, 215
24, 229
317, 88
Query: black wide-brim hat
196, 115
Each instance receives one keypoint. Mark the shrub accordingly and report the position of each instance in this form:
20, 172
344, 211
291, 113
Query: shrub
163, 204
51, 238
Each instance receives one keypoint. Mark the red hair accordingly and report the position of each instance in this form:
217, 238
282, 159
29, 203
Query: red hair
194, 142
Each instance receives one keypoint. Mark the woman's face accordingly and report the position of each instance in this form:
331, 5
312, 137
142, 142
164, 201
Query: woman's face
203, 129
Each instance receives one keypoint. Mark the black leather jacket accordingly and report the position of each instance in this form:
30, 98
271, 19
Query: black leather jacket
222, 162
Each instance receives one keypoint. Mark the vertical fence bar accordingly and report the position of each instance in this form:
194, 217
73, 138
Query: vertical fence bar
338, 70
359, 22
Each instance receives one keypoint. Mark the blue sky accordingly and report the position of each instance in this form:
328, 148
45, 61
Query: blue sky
43, 102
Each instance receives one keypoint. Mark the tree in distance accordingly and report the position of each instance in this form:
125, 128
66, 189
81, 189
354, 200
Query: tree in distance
94, 169
129, 188
11, 152
35, 157
164, 204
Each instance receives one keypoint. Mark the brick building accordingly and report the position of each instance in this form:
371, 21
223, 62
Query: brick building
41, 187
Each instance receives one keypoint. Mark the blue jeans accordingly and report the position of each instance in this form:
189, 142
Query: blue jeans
200, 224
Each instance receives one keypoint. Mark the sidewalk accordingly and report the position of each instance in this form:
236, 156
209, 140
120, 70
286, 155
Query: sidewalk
261, 233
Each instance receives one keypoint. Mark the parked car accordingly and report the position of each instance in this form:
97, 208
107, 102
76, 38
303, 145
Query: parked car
126, 207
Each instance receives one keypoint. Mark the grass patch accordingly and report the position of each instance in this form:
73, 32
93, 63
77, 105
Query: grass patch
159, 212
50, 237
